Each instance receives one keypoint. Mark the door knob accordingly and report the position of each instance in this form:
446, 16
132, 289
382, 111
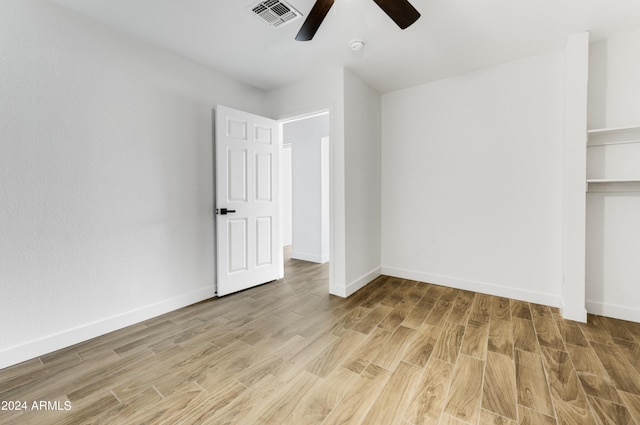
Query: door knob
224, 211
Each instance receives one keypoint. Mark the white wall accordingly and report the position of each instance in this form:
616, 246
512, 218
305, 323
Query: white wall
286, 206
613, 229
310, 234
363, 175
576, 64
325, 195
323, 91
614, 86
106, 178
472, 180
354, 145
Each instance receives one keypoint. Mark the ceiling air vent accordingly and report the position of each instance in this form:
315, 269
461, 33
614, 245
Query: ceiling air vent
276, 13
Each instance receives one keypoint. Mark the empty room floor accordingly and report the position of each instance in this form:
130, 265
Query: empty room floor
396, 352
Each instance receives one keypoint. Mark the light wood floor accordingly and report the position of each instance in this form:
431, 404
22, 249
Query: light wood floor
396, 352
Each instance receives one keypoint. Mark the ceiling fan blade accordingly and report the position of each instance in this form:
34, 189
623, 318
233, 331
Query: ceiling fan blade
400, 11
313, 21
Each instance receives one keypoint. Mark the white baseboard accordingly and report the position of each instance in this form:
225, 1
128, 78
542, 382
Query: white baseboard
470, 285
345, 291
297, 255
616, 311
574, 313
363, 281
20, 353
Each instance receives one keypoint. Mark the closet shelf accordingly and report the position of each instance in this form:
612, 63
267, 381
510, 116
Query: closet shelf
613, 130
613, 180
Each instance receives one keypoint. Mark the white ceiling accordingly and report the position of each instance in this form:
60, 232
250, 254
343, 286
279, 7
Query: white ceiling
451, 37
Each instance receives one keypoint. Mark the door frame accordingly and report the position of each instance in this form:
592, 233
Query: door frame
297, 117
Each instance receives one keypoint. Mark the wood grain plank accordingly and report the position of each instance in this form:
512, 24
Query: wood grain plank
531, 417
187, 404
568, 413
500, 308
632, 402
335, 354
585, 360
541, 311
368, 350
354, 316
284, 401
106, 376
450, 420
500, 337
236, 357
524, 336
450, 294
270, 361
533, 391
296, 364
434, 293
416, 292
475, 340
248, 405
490, 418
466, 389
428, 402
461, 308
631, 350
396, 317
548, 333
56, 376
595, 330
424, 341
438, 313
397, 295
481, 309
499, 389
393, 351
395, 396
10, 417
359, 398
563, 379
624, 376
29, 370
371, 321
609, 413
323, 398
619, 329
600, 387
374, 300
521, 310
419, 312
571, 333
449, 343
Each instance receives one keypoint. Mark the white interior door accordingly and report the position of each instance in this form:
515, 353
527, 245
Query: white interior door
247, 200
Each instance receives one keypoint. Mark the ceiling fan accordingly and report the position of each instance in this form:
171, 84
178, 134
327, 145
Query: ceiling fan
400, 11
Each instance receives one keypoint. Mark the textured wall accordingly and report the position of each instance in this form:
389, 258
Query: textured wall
106, 178
472, 180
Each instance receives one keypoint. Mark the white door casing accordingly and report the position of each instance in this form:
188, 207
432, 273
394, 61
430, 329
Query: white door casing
247, 187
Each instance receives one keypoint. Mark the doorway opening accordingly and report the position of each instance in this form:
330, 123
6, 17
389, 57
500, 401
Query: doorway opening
305, 188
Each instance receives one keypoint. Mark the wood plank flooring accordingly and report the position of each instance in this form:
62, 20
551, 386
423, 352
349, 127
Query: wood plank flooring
396, 352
